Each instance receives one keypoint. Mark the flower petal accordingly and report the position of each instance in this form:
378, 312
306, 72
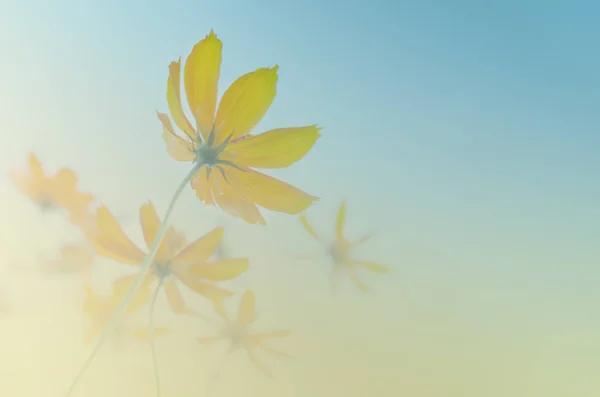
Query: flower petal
271, 193
150, 225
175, 299
92, 305
62, 191
226, 196
309, 228
178, 148
202, 185
110, 241
374, 267
201, 80
362, 286
274, 352
258, 364
35, 166
74, 258
235, 204
140, 299
339, 223
277, 148
215, 294
200, 250
220, 270
363, 239
92, 331
175, 241
245, 103
174, 100
247, 312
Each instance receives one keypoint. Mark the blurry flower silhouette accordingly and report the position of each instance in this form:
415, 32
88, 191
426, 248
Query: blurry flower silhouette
240, 335
221, 144
53, 192
75, 258
190, 265
340, 251
100, 310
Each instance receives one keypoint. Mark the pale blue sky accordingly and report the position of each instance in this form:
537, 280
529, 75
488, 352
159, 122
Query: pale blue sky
466, 134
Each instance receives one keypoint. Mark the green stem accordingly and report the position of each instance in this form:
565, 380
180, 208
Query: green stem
152, 347
144, 266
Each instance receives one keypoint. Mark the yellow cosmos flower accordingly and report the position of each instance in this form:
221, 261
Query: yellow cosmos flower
53, 192
221, 139
340, 251
240, 335
174, 261
99, 312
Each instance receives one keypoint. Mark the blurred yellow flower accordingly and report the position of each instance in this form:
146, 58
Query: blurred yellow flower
240, 335
53, 192
190, 265
99, 312
340, 251
221, 140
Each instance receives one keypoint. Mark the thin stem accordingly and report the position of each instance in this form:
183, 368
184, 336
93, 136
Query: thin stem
152, 347
113, 322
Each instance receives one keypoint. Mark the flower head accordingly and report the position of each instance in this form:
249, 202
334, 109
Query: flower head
53, 192
100, 310
221, 139
240, 335
174, 261
340, 251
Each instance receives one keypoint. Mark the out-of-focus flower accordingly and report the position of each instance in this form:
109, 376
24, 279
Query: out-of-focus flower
75, 258
174, 260
340, 251
99, 312
221, 139
53, 192
240, 335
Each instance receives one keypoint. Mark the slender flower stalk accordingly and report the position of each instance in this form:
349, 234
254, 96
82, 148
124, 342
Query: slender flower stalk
152, 335
145, 265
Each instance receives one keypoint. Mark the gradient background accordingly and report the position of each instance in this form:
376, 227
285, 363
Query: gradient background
466, 134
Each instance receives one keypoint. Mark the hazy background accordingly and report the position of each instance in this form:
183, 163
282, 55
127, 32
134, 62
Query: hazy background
464, 133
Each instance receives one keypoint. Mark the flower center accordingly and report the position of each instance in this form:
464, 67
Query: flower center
45, 204
207, 155
338, 253
236, 333
162, 270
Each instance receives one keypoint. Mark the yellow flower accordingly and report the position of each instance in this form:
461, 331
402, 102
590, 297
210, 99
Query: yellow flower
190, 265
340, 251
240, 335
221, 138
56, 192
100, 310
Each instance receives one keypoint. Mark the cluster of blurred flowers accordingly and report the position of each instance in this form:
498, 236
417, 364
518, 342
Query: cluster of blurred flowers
225, 156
